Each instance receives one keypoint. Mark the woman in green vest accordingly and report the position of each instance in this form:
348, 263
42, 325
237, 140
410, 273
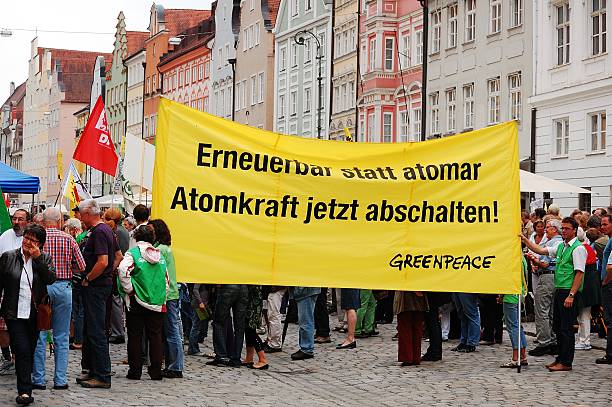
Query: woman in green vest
144, 284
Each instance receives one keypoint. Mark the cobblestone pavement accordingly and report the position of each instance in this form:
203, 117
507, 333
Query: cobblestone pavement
366, 376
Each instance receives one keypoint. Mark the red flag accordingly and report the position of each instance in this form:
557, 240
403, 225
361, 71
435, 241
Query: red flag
95, 147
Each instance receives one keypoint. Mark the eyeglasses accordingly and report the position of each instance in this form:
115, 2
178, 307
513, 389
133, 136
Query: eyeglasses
566, 228
29, 239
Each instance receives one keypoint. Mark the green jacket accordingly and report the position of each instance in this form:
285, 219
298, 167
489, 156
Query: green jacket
166, 251
143, 272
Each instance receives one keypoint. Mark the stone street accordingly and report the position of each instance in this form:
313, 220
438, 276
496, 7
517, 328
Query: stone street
366, 376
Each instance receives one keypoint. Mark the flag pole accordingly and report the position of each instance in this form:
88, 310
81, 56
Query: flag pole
518, 369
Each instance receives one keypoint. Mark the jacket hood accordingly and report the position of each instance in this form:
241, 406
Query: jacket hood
151, 254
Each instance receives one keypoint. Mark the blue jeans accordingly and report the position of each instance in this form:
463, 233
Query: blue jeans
173, 331
60, 294
606, 299
305, 309
78, 315
196, 326
95, 354
467, 309
511, 317
234, 297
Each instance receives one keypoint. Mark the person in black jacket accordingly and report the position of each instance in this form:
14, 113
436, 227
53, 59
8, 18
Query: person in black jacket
24, 276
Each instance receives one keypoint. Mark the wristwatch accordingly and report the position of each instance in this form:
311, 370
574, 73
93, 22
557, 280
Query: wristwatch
571, 295
87, 279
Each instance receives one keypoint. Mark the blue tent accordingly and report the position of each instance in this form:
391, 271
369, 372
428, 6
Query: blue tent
17, 182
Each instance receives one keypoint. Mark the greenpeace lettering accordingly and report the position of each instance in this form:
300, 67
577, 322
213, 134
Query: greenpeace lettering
405, 216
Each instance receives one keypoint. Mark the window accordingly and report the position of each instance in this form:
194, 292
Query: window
187, 76
372, 54
283, 58
371, 127
207, 69
323, 44
281, 106
293, 103
561, 143
597, 141
308, 4
451, 96
253, 90
495, 11
416, 122
295, 8
201, 73
436, 25
403, 126
452, 25
434, 100
148, 85
219, 58
516, 13
227, 54
387, 127
514, 84
405, 51
389, 54
181, 78
361, 127
262, 87
468, 106
252, 4
256, 34
584, 201
307, 51
351, 101
563, 34
294, 55
419, 48
307, 100
598, 26
470, 20
221, 106
493, 100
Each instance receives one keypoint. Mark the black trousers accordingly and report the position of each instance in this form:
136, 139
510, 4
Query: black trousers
384, 308
252, 339
24, 336
321, 315
563, 325
492, 318
432, 323
144, 324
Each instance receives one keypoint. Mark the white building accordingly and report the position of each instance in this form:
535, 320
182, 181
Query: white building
572, 97
479, 66
296, 67
134, 98
223, 48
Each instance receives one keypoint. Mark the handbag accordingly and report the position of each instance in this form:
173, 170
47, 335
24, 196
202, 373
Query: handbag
43, 310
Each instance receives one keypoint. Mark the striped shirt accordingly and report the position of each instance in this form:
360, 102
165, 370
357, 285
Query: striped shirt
65, 253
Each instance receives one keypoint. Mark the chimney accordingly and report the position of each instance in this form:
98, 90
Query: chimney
12, 88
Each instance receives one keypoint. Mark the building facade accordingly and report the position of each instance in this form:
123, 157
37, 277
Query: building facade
298, 109
255, 81
573, 95
480, 66
126, 42
11, 127
164, 24
223, 47
135, 92
185, 71
58, 84
391, 59
344, 69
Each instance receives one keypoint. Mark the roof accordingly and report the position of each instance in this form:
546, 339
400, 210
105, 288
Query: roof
14, 181
76, 71
17, 95
135, 41
192, 38
178, 20
273, 6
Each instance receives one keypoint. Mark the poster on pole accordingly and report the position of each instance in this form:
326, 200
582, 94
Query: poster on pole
249, 206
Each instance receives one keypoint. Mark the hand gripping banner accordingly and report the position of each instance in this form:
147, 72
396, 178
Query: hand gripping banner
249, 206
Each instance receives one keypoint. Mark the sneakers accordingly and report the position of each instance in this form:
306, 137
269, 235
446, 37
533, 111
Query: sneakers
7, 368
582, 346
467, 349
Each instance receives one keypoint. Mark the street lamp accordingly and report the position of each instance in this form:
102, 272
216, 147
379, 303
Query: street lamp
300, 40
425, 7
232, 62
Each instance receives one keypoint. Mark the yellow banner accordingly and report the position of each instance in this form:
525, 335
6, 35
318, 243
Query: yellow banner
249, 206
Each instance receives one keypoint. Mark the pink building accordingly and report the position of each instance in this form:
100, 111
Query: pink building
391, 52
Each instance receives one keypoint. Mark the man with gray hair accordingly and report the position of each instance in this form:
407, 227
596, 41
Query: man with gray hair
543, 266
67, 259
102, 256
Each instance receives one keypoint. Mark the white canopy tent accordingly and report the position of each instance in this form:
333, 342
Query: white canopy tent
531, 182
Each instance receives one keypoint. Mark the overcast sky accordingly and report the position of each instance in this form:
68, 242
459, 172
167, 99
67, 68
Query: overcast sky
72, 16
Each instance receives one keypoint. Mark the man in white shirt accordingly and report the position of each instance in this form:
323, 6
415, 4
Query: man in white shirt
11, 240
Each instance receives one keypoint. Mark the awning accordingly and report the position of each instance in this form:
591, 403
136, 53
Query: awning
110, 200
531, 182
17, 182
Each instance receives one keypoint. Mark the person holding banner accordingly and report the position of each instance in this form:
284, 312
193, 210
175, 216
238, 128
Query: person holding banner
511, 316
571, 258
305, 298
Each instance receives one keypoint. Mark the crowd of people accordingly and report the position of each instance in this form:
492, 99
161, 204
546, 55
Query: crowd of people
111, 278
